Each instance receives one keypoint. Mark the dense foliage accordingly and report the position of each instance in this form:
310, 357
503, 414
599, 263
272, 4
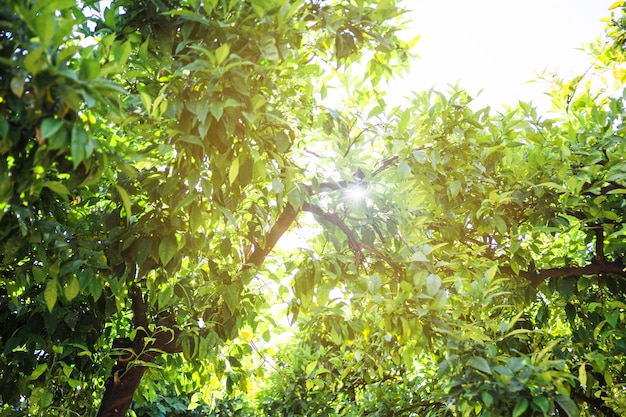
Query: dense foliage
158, 157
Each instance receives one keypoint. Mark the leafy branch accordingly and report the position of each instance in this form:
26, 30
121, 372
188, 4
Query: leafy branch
356, 245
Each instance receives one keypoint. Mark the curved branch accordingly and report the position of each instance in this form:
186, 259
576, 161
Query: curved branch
285, 220
594, 268
354, 243
607, 189
597, 403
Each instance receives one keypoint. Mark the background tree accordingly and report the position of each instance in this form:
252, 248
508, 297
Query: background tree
504, 294
147, 172
465, 262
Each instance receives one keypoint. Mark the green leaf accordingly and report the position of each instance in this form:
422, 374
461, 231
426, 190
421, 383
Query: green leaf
222, 53
234, 171
58, 188
17, 86
80, 141
121, 52
454, 188
41, 397
72, 288
542, 403
37, 372
433, 284
568, 405
491, 273
125, 201
520, 407
195, 217
344, 44
50, 126
217, 109
374, 283
582, 374
167, 249
310, 369
44, 27
612, 317
487, 399
479, 363
50, 293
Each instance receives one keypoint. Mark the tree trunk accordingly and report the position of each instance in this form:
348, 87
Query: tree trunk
126, 375
119, 391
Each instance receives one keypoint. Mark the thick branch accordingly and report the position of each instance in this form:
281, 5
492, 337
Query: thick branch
599, 232
596, 403
119, 392
130, 367
283, 223
594, 268
140, 317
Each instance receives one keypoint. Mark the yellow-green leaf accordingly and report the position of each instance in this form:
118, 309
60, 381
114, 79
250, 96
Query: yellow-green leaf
582, 374
125, 201
50, 294
40, 369
58, 188
234, 171
72, 289
221, 53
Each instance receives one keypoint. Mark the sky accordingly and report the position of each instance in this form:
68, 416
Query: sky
499, 45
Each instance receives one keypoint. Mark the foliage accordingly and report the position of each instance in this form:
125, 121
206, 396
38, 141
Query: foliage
147, 173
458, 261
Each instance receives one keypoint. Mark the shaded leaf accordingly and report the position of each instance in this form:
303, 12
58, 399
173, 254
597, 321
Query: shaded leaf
167, 249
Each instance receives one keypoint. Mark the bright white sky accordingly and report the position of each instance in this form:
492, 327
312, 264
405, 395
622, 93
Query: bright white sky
499, 45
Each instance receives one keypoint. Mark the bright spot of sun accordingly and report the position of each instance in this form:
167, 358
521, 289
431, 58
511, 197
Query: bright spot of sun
357, 193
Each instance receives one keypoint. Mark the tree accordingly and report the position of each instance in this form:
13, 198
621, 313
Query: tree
465, 262
148, 170
504, 291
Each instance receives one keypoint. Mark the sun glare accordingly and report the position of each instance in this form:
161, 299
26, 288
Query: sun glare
357, 193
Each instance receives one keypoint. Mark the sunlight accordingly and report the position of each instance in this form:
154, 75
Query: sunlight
357, 193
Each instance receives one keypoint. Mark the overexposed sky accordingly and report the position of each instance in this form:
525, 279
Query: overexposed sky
499, 45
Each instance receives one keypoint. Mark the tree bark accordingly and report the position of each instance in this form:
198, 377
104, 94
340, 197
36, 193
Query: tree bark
126, 375
119, 391
131, 364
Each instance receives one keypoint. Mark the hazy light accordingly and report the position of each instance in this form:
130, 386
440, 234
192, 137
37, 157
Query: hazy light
357, 193
496, 47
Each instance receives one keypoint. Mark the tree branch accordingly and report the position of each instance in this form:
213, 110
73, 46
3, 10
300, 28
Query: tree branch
285, 220
607, 189
599, 232
333, 218
354, 243
596, 403
594, 268
140, 318
127, 373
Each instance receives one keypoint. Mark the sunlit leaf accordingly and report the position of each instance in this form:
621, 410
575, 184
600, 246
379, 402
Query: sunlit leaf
167, 249
50, 293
